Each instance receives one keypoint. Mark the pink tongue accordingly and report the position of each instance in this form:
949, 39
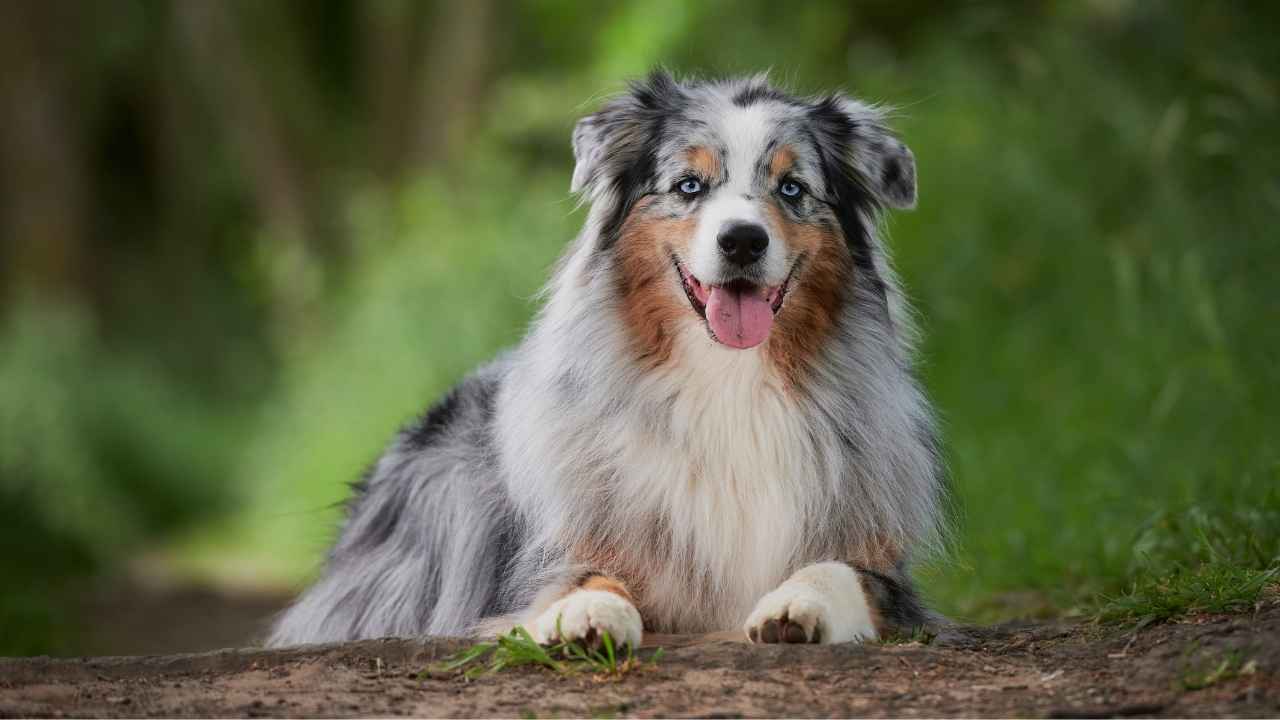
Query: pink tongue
740, 320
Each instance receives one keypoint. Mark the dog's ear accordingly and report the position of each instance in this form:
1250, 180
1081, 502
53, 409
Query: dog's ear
608, 143
898, 175
855, 136
588, 150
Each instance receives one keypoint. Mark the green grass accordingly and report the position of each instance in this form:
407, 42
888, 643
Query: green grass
1095, 332
1206, 589
519, 649
1232, 666
916, 635
1202, 560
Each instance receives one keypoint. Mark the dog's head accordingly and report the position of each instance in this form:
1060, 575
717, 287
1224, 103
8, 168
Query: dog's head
739, 207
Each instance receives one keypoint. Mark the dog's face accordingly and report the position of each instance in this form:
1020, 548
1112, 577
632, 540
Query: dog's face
736, 207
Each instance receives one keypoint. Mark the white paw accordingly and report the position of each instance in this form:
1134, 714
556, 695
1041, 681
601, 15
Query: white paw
822, 603
585, 615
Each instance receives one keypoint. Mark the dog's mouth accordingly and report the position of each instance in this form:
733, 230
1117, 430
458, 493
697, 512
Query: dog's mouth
738, 313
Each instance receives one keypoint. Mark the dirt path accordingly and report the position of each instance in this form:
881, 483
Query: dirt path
1208, 665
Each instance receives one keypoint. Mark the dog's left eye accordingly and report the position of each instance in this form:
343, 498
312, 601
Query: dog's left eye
790, 189
690, 186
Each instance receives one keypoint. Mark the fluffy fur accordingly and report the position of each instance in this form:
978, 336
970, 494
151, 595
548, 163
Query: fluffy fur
623, 458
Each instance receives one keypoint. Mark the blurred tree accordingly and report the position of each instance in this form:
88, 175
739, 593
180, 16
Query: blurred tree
392, 35
255, 126
44, 176
455, 78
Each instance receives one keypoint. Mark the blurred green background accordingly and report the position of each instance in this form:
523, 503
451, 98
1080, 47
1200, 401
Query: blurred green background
243, 242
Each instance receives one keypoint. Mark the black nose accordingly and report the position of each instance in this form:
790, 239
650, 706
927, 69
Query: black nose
743, 243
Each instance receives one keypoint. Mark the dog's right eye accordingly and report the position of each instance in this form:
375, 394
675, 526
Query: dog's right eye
689, 186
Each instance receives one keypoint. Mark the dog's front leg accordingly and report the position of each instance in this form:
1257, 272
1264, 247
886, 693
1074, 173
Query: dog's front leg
827, 602
596, 605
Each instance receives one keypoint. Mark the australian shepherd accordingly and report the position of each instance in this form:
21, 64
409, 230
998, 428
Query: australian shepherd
713, 423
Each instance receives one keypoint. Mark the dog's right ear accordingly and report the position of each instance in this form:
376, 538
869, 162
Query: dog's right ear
609, 143
588, 150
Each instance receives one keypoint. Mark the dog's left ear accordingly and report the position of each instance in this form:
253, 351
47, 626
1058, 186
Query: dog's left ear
869, 152
898, 176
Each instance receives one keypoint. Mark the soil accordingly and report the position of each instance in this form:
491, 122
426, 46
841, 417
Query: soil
133, 618
1209, 665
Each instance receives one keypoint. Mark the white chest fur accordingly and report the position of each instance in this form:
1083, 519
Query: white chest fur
710, 452
731, 471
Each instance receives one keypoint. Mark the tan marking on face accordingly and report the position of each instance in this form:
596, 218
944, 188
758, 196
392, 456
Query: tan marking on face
809, 312
652, 301
704, 161
784, 158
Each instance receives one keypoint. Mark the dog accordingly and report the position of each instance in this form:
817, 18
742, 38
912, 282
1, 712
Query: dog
712, 424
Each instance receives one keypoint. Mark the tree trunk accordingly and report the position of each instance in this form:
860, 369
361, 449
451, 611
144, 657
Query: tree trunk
455, 78
257, 136
43, 173
392, 34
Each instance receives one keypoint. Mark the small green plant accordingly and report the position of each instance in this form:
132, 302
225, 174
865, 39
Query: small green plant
920, 635
518, 648
1208, 588
1230, 667
1218, 559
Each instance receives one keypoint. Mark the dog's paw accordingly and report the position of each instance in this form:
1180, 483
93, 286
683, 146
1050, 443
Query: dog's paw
787, 615
822, 603
585, 615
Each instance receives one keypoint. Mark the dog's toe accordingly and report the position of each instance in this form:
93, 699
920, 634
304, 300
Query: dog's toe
584, 616
794, 633
786, 617
823, 603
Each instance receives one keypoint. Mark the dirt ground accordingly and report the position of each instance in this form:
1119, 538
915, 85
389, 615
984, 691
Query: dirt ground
133, 618
1199, 666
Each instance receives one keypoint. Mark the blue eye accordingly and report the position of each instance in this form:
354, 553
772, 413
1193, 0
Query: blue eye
690, 186
790, 188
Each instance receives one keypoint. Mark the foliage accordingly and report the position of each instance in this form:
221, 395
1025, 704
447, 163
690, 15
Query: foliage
1093, 259
1198, 561
1229, 667
518, 649
98, 451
